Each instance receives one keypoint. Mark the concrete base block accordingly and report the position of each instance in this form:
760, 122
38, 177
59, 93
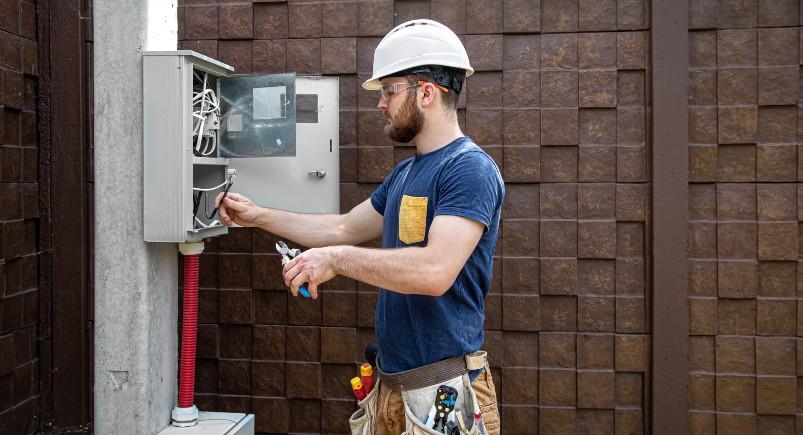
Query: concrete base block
216, 423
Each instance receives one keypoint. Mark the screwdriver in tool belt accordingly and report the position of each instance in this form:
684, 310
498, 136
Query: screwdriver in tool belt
357, 388
366, 374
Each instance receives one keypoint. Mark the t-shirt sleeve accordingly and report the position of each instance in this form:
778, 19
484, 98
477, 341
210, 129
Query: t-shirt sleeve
471, 187
380, 196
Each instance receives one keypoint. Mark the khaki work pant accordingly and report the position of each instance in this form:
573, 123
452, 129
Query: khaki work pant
390, 411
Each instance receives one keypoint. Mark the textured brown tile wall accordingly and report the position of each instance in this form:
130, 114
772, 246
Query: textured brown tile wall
744, 133
19, 218
559, 100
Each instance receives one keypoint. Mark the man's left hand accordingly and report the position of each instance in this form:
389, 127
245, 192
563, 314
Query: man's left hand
314, 267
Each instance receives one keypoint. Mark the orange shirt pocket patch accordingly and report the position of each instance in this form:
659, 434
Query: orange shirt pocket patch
413, 219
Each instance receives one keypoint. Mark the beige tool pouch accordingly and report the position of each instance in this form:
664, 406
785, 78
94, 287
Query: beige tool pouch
363, 421
414, 426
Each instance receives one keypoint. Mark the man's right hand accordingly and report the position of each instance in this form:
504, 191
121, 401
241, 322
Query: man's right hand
237, 209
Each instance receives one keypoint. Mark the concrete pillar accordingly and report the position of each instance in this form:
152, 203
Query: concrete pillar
135, 282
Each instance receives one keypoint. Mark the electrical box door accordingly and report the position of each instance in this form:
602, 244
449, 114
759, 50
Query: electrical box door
273, 138
309, 181
258, 116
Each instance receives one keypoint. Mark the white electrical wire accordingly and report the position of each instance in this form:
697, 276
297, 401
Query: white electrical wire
206, 112
200, 189
214, 223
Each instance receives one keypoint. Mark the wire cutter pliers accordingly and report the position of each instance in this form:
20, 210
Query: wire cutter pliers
287, 255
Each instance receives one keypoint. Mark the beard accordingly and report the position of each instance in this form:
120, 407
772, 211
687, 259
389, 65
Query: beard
406, 125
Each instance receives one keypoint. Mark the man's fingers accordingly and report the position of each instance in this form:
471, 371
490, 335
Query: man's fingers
289, 273
237, 197
313, 289
234, 205
297, 282
231, 198
296, 273
288, 265
290, 270
219, 197
232, 202
292, 274
224, 214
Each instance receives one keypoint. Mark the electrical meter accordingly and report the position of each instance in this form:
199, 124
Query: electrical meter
207, 132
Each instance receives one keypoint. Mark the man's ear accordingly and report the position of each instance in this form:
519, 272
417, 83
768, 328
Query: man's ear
428, 97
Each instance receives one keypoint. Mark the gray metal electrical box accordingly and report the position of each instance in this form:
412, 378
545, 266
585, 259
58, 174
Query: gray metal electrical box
203, 126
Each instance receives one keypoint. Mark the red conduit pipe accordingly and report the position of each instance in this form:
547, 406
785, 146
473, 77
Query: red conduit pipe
189, 332
186, 414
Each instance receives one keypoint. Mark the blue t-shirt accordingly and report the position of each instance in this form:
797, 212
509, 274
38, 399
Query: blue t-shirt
459, 179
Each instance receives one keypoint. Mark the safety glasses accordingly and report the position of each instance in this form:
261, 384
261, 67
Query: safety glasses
388, 91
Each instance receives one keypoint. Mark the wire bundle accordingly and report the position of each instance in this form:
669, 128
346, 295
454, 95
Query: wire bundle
206, 116
202, 196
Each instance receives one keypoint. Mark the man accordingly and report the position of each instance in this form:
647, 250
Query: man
438, 215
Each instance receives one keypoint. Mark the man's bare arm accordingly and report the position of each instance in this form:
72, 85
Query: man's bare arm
429, 270
359, 225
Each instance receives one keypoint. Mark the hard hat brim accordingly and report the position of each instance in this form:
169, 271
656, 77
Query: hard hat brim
373, 84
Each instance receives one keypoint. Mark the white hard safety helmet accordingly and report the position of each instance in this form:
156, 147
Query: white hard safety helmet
417, 43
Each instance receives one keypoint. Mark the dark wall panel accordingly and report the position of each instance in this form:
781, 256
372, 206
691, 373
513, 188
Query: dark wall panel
19, 218
744, 216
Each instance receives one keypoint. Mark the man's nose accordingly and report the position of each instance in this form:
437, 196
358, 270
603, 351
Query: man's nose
382, 104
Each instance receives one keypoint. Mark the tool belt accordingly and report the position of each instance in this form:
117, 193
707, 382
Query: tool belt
435, 373
422, 382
